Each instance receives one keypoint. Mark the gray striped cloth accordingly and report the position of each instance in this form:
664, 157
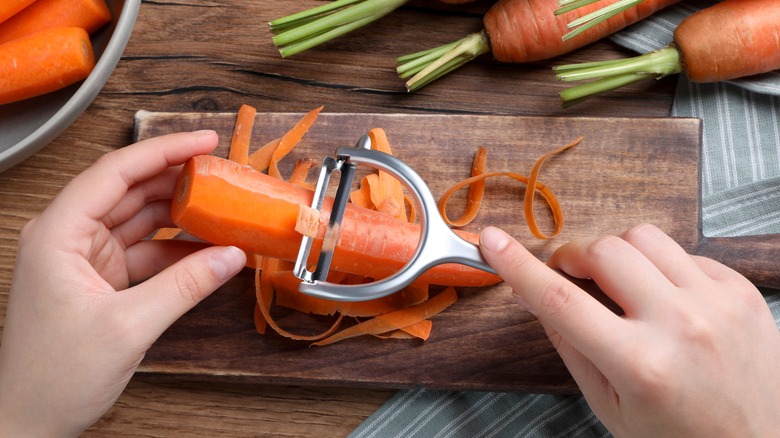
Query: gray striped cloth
740, 196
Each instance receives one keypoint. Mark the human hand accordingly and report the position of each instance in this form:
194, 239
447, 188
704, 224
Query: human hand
75, 329
694, 353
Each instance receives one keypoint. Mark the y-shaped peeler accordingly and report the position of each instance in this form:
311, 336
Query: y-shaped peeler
438, 243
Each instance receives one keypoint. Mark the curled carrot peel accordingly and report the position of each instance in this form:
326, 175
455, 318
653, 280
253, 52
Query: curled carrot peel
395, 320
475, 196
528, 204
265, 306
476, 192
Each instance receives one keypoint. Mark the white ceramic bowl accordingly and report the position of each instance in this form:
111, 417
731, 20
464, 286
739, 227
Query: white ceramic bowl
29, 125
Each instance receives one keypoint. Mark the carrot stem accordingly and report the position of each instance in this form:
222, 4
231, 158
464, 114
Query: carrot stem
429, 65
301, 31
609, 75
592, 19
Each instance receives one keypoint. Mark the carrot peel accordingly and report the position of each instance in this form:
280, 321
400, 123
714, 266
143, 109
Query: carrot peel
396, 320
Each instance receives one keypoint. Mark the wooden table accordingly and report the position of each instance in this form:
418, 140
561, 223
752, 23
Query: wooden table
214, 55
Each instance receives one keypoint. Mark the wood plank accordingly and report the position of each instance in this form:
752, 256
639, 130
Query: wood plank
626, 171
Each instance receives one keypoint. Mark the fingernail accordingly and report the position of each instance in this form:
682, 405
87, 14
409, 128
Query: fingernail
204, 132
493, 239
226, 262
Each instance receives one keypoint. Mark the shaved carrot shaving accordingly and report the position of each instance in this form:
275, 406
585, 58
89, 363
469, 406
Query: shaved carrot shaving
396, 320
547, 194
362, 196
420, 330
291, 139
388, 186
528, 202
476, 192
242, 135
300, 172
166, 233
265, 307
261, 158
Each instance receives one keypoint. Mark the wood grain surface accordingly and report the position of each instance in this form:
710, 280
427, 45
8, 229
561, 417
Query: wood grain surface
214, 55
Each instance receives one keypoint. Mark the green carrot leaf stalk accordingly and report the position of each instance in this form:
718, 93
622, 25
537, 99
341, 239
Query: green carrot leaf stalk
298, 32
592, 19
605, 76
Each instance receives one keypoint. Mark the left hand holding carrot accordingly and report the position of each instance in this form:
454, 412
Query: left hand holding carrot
75, 328
694, 353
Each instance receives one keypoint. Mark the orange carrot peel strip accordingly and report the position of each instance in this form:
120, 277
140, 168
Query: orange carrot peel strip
475, 196
396, 320
242, 135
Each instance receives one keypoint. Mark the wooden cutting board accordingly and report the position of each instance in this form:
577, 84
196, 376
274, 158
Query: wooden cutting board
626, 171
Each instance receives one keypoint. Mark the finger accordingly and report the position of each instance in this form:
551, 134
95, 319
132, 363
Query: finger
159, 187
666, 254
579, 318
160, 301
153, 216
621, 271
721, 273
595, 386
150, 257
99, 188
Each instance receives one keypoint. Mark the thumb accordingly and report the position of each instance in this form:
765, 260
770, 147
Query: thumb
164, 298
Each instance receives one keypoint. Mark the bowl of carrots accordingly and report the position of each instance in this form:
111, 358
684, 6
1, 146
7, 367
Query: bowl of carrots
35, 107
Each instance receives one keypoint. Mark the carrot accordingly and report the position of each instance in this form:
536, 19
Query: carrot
229, 204
44, 62
303, 30
517, 31
395, 320
90, 15
732, 39
9, 8
242, 135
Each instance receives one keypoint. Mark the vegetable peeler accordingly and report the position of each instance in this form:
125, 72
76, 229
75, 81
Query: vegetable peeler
438, 244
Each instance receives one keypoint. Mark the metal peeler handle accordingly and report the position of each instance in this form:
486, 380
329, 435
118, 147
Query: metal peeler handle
438, 243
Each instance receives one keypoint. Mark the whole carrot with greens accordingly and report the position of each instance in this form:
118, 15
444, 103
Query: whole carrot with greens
730, 40
303, 30
43, 62
518, 31
226, 203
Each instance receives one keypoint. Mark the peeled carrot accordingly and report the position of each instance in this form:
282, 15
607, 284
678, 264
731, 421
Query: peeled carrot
303, 30
518, 31
229, 204
90, 15
9, 8
44, 62
732, 39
